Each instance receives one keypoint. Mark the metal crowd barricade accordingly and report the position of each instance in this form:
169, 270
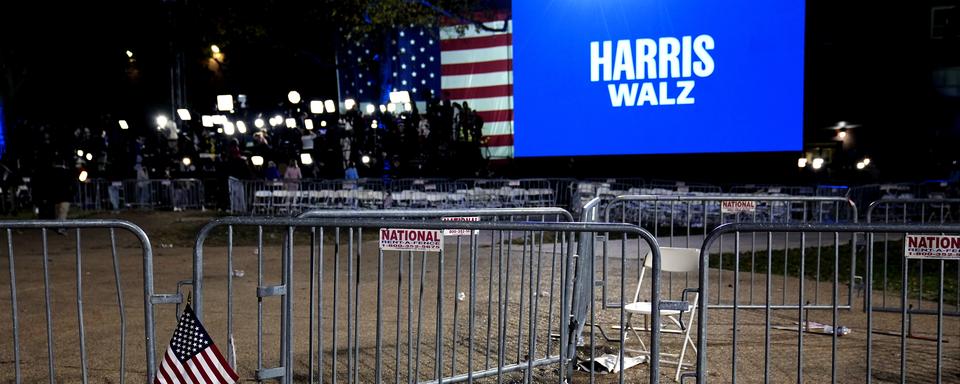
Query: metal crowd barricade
908, 211
684, 221
37, 304
848, 346
503, 324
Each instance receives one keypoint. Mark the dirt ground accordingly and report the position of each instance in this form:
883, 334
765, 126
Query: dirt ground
502, 305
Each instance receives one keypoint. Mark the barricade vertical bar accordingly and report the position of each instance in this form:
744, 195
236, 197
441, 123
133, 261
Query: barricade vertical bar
766, 313
500, 316
801, 309
903, 320
399, 308
523, 274
623, 295
49, 303
473, 301
356, 310
313, 278
786, 257
336, 290
438, 362
320, 310
379, 364
14, 309
123, 313
836, 302
534, 309
259, 298
83, 334
940, 325
868, 304
287, 333
736, 303
230, 347
410, 378
423, 276
456, 309
350, 331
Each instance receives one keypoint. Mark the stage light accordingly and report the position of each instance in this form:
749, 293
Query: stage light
802, 162
842, 134
866, 161
162, 121
225, 102
258, 123
383, 108
83, 176
220, 119
348, 104
308, 124
124, 125
374, 124
371, 109
323, 123
365, 159
306, 159
257, 160
219, 130
228, 128
89, 156
214, 48
241, 127
861, 165
291, 123
392, 107
184, 114
293, 97
129, 54
206, 120
817, 163
316, 107
186, 161
331, 106
276, 120
79, 153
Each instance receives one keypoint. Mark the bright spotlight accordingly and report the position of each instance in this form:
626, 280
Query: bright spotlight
206, 120
802, 162
257, 160
129, 54
162, 121
866, 161
79, 153
124, 125
842, 134
214, 48
184, 114
89, 156
349, 104
323, 123
225, 102
258, 123
861, 165
817, 163
371, 109
291, 123
383, 108
316, 107
277, 120
241, 127
228, 128
83, 176
306, 159
308, 124
293, 97
186, 161
365, 159
331, 106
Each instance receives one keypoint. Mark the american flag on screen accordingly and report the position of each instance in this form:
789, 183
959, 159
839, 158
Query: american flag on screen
192, 357
477, 68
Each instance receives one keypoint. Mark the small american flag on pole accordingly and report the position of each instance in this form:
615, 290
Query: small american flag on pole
192, 357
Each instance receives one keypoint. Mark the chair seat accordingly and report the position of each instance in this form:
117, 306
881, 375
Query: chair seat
645, 308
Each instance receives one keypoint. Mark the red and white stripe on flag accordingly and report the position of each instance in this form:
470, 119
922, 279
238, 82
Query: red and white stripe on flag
477, 67
192, 357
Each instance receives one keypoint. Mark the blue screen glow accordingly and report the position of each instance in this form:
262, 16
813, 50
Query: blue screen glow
619, 77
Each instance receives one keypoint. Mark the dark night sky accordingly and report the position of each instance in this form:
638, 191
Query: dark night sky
867, 63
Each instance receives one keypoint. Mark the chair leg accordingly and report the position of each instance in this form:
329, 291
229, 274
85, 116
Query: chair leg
686, 341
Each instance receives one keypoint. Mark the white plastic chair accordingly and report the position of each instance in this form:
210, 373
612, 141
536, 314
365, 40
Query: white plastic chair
672, 260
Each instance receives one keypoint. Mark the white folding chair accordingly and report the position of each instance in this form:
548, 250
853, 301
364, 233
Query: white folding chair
672, 260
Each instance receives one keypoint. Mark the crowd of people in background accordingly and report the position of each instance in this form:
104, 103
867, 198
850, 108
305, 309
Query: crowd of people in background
445, 140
